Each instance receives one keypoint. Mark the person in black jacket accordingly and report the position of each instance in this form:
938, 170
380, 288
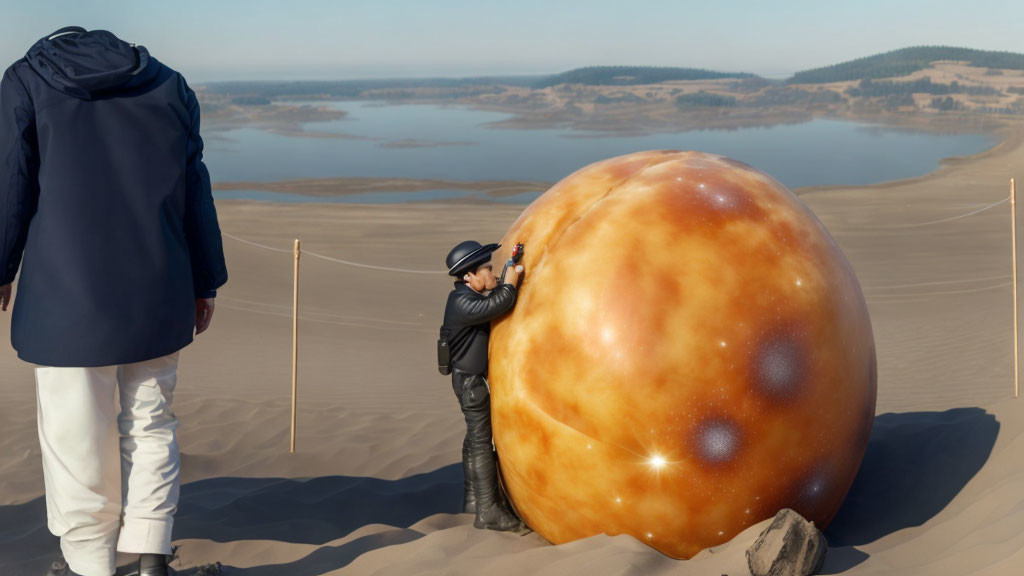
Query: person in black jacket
105, 204
476, 300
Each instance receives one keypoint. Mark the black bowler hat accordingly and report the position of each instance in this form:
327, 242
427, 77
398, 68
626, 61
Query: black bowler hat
467, 256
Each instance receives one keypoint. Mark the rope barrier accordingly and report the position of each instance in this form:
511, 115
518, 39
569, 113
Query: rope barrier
358, 265
1007, 199
936, 283
324, 321
329, 259
410, 271
943, 292
264, 246
313, 311
865, 288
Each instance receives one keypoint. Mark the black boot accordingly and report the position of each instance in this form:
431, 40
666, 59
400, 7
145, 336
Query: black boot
492, 511
468, 493
153, 565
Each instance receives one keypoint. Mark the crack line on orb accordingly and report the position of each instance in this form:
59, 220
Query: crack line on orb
589, 209
576, 430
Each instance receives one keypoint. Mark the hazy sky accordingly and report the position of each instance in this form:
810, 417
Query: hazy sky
256, 39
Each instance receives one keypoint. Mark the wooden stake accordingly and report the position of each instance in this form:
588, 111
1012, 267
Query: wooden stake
1013, 235
295, 340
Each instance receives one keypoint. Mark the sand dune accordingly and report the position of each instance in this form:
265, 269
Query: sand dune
375, 485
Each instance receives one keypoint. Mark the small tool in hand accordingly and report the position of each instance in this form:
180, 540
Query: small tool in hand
517, 255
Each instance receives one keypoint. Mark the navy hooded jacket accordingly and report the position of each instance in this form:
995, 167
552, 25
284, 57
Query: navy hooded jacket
104, 191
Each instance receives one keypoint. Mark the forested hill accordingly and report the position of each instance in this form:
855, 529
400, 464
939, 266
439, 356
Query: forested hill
888, 65
632, 75
906, 61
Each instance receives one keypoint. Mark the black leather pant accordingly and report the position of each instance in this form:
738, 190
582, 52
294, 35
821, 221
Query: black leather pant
478, 459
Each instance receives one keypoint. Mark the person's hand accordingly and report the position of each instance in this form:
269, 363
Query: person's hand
204, 313
5, 296
512, 274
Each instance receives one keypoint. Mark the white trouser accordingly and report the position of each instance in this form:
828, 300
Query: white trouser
109, 483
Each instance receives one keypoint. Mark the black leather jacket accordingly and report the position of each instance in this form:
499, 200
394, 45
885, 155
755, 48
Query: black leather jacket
468, 316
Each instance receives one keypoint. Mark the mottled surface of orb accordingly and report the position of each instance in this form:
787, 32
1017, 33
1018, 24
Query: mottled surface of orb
690, 353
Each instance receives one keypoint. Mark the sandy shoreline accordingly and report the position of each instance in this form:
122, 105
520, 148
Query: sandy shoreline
375, 486
1009, 138
348, 186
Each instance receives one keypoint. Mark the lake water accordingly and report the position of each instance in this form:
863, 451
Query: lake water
425, 141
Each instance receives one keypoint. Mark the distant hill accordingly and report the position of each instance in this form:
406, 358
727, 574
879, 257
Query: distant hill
865, 70
632, 75
406, 87
904, 62
355, 88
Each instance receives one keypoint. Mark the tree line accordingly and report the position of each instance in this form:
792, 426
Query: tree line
868, 88
906, 61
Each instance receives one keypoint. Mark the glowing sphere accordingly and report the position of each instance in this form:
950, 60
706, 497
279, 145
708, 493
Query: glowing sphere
690, 352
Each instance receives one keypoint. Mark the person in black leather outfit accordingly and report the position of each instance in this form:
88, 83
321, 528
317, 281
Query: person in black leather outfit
476, 300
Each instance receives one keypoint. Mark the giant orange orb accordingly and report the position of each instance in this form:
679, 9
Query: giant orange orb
690, 352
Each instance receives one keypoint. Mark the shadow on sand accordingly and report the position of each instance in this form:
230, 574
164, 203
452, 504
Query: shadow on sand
915, 464
312, 511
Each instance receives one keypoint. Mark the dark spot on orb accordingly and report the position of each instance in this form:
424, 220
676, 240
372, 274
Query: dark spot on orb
779, 365
813, 489
717, 440
812, 493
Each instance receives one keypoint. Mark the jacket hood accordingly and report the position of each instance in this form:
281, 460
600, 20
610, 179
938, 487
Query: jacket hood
86, 63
